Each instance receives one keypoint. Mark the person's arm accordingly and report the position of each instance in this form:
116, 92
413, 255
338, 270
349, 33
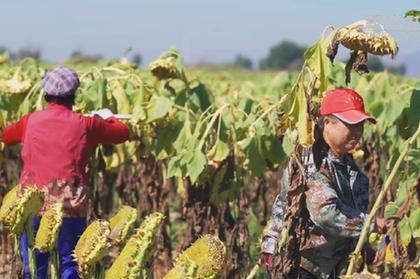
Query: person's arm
276, 224
14, 133
109, 131
328, 212
274, 228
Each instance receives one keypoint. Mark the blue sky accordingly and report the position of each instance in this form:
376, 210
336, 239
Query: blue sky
212, 30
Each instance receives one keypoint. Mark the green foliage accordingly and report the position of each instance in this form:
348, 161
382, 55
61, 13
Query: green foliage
243, 62
413, 14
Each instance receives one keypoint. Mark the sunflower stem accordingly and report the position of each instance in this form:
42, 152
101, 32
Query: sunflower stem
31, 251
18, 251
55, 264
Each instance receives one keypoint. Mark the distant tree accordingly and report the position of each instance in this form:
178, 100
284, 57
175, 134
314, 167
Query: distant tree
285, 55
79, 56
399, 70
137, 59
26, 52
243, 62
375, 64
413, 14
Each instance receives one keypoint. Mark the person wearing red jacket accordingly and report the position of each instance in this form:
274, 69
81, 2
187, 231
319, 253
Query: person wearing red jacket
57, 145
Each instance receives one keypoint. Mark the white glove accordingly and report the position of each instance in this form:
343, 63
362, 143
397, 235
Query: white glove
103, 113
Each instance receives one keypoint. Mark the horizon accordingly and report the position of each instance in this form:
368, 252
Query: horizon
214, 32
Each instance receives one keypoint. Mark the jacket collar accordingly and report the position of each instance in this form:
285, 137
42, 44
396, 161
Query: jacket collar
53, 105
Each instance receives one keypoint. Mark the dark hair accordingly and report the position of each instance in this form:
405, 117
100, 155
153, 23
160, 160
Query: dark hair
320, 147
66, 100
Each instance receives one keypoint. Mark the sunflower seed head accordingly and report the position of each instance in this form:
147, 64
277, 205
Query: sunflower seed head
92, 246
8, 202
121, 224
17, 84
364, 37
24, 209
138, 250
207, 253
49, 228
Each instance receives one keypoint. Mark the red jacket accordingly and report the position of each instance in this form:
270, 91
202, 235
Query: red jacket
57, 144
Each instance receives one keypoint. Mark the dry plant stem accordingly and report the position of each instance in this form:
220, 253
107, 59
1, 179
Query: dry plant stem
379, 200
31, 251
18, 251
253, 272
55, 264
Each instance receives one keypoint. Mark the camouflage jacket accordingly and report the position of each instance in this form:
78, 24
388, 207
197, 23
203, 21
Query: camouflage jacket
337, 200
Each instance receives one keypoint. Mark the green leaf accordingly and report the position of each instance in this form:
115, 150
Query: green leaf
165, 137
174, 167
287, 146
196, 166
414, 220
254, 161
319, 63
390, 210
158, 108
219, 151
204, 96
405, 231
123, 102
305, 125
184, 137
138, 102
273, 150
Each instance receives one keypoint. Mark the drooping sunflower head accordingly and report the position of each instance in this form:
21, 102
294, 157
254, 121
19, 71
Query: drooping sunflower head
138, 250
25, 208
368, 37
121, 223
49, 228
8, 202
364, 37
16, 84
92, 246
208, 253
168, 66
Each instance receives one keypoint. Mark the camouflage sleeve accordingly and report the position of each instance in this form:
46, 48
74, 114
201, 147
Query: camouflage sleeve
328, 212
275, 226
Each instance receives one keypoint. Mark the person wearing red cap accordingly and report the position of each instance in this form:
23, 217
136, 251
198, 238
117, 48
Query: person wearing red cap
337, 191
57, 144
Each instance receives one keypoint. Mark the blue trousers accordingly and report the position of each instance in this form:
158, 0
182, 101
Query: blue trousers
71, 230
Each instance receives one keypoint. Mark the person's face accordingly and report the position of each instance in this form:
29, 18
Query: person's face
340, 136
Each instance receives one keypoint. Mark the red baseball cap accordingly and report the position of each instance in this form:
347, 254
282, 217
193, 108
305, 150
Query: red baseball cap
345, 104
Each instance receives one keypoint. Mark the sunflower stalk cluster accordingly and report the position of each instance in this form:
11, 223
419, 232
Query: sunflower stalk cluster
17, 213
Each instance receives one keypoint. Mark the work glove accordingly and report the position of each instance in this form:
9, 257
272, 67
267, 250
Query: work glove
266, 261
103, 113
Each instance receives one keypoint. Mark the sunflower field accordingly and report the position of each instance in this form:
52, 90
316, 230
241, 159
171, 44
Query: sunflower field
191, 192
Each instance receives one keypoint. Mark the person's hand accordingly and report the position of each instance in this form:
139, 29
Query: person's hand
266, 260
103, 113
